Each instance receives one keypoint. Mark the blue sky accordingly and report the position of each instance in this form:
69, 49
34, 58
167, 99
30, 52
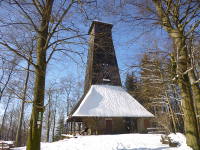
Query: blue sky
125, 53
128, 43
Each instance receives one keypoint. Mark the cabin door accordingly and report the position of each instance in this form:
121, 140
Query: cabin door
108, 126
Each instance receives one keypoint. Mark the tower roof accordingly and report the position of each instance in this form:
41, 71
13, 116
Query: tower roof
110, 101
97, 22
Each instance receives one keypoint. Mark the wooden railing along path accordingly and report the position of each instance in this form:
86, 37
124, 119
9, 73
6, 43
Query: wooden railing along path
6, 146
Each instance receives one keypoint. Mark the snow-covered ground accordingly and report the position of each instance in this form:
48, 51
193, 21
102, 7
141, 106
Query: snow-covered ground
113, 142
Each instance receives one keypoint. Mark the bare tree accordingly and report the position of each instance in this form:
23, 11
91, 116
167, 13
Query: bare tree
7, 73
180, 19
7, 70
67, 85
153, 89
50, 93
176, 24
54, 114
2, 129
18, 139
46, 20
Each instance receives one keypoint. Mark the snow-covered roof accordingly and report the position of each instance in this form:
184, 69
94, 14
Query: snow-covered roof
110, 101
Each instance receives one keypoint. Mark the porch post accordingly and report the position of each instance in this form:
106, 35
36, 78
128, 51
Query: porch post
71, 127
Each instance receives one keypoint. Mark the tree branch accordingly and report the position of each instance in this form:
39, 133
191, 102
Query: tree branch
38, 6
193, 27
26, 14
59, 21
17, 53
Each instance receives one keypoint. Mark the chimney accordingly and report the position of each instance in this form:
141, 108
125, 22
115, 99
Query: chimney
102, 67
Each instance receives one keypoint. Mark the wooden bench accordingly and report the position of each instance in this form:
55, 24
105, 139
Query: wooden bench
155, 131
4, 146
66, 136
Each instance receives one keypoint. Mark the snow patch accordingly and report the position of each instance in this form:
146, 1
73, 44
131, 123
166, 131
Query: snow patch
180, 139
110, 142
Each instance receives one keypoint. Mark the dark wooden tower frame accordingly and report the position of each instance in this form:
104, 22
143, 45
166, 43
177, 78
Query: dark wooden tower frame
102, 67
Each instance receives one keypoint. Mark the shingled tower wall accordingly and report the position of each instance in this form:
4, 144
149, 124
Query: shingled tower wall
102, 67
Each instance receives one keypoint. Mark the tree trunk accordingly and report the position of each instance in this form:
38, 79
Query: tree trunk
54, 125
190, 121
48, 118
187, 93
3, 119
8, 136
171, 115
196, 96
34, 135
18, 138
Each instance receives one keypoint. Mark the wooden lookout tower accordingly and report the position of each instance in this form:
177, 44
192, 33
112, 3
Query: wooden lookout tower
105, 107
